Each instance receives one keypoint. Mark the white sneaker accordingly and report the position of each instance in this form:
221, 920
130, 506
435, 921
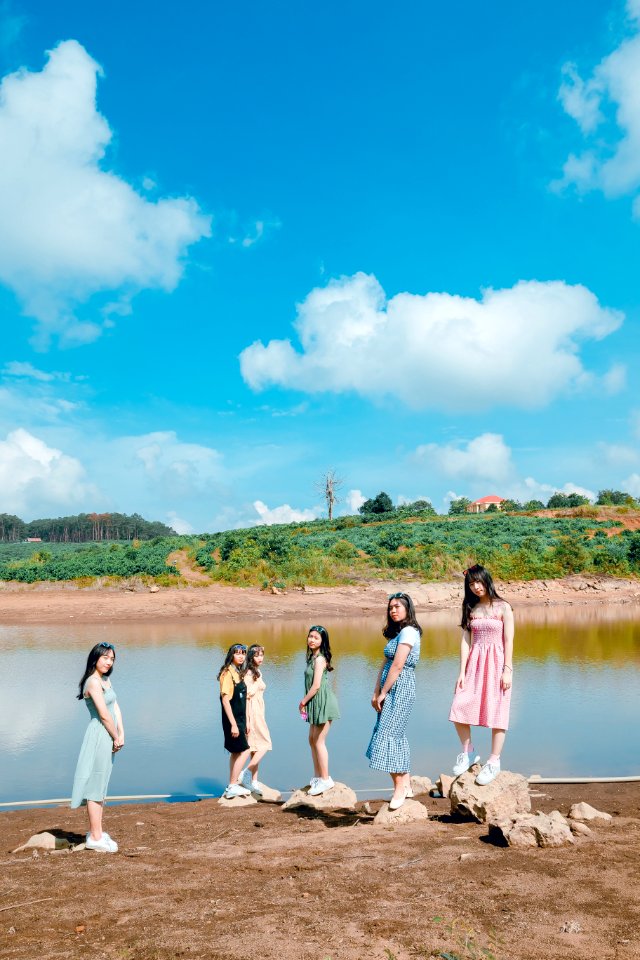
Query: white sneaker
256, 787
313, 782
103, 845
321, 786
245, 779
236, 790
463, 762
488, 773
395, 804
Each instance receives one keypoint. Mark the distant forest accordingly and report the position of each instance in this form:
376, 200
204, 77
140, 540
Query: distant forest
83, 528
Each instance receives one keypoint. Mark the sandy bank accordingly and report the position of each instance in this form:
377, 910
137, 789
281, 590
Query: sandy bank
196, 880
58, 603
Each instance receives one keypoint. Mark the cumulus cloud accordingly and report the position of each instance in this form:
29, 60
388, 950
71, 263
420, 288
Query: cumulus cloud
35, 477
69, 227
178, 524
632, 485
354, 500
611, 161
181, 469
531, 489
516, 347
282, 514
485, 459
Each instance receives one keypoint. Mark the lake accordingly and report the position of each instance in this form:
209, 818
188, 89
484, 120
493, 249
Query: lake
576, 689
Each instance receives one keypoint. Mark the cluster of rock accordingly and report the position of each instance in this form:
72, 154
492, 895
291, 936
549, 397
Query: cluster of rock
505, 806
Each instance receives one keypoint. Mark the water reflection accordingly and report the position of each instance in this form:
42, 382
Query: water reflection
577, 681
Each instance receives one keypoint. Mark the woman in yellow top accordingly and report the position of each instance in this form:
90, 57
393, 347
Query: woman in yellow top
233, 699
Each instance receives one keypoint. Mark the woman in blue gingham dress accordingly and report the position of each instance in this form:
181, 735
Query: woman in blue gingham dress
394, 696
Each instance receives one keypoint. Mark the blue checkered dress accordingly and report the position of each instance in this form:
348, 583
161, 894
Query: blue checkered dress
388, 748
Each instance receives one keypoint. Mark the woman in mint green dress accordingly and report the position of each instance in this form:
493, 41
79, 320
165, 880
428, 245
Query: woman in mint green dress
104, 737
319, 706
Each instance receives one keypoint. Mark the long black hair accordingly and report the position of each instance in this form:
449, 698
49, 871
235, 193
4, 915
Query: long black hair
325, 648
94, 655
391, 629
476, 573
228, 660
250, 666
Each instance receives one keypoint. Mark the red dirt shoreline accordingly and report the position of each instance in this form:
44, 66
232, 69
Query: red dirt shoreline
43, 603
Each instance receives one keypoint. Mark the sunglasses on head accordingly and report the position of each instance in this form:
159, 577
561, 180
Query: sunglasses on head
239, 648
398, 596
108, 646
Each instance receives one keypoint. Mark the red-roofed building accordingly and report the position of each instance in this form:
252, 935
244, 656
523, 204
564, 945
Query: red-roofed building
483, 504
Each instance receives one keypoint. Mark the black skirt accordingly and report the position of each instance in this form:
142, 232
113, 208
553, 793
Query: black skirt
238, 704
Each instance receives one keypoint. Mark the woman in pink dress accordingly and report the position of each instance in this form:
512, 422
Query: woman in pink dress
483, 689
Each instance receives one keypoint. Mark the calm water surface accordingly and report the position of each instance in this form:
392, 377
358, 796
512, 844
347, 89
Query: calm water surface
576, 686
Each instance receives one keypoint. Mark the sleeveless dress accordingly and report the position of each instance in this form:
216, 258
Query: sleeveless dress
259, 737
483, 702
96, 755
324, 705
388, 748
238, 704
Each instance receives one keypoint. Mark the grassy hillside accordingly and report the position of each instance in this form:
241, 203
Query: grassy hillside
355, 548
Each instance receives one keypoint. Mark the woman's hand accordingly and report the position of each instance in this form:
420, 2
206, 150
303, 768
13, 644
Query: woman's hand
506, 679
459, 683
234, 730
377, 701
302, 707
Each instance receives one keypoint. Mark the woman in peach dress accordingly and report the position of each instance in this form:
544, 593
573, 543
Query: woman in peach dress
258, 736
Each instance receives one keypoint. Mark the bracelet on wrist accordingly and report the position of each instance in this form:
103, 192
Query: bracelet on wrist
507, 667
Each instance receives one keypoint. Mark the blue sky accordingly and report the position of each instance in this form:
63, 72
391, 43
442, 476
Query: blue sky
241, 244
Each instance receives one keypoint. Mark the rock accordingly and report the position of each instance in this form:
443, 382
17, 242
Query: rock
154, 588
366, 808
339, 797
500, 800
533, 830
269, 795
421, 785
237, 801
580, 829
584, 811
410, 812
44, 841
443, 784
465, 856
571, 926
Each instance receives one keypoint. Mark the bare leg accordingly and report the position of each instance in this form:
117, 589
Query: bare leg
464, 732
94, 811
236, 763
401, 784
254, 763
497, 743
318, 740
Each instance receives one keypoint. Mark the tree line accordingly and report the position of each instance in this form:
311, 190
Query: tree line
382, 503
82, 528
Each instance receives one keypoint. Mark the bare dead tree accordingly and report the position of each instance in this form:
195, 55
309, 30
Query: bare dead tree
329, 485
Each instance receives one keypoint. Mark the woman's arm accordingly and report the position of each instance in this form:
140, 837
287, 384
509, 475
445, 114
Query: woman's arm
399, 660
318, 669
465, 646
94, 689
508, 631
376, 689
119, 743
226, 706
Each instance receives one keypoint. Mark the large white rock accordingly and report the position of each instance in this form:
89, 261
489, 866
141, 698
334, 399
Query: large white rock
534, 830
237, 801
269, 795
421, 785
410, 812
499, 800
44, 841
339, 797
584, 811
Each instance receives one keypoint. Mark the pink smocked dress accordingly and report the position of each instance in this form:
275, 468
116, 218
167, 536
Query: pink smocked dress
483, 703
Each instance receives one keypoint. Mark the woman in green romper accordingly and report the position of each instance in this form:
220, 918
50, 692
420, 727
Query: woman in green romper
319, 706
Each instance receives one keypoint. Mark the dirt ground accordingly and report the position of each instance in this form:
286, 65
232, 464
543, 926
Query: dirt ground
203, 600
198, 880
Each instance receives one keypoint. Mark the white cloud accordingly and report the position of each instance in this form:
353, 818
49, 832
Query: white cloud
616, 454
615, 379
180, 469
530, 489
354, 500
437, 350
69, 227
485, 459
178, 524
17, 368
632, 485
282, 514
35, 477
612, 161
